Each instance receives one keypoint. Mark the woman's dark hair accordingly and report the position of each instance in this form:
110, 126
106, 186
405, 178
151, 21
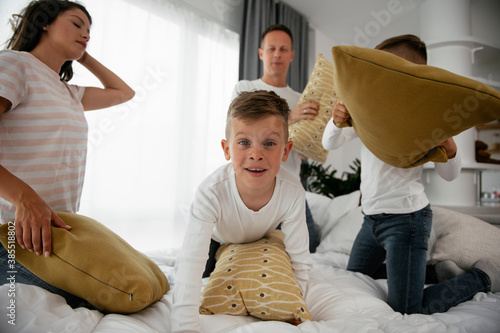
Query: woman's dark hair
28, 27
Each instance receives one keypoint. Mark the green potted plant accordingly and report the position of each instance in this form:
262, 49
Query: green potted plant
319, 179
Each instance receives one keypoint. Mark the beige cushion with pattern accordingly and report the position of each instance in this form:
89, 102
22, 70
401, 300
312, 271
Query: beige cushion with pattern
307, 134
255, 279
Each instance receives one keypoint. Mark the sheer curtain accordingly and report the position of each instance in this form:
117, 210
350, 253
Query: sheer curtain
147, 157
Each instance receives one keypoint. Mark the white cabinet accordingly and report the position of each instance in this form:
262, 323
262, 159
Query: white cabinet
458, 40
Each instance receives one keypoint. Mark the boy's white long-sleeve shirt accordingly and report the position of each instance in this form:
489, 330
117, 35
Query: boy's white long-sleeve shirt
384, 188
218, 212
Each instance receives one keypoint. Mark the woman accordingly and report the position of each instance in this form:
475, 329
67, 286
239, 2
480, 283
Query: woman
43, 132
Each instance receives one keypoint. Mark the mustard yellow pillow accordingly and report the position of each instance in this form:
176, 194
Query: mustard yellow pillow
255, 279
307, 134
402, 111
95, 264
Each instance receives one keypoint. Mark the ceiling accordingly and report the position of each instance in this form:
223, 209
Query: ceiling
340, 19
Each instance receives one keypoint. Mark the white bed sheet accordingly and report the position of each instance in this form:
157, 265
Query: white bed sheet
339, 301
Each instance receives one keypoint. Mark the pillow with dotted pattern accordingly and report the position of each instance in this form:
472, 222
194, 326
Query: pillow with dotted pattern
92, 262
307, 134
255, 279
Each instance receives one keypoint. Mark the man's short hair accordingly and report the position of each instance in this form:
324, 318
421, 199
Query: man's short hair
257, 104
276, 27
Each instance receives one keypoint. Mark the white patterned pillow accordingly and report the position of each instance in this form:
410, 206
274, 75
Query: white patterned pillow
307, 134
255, 279
464, 239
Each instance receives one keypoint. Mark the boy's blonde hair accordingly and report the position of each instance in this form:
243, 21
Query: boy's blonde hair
257, 104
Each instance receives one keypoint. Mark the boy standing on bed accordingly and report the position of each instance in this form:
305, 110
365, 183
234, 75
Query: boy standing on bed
398, 219
244, 200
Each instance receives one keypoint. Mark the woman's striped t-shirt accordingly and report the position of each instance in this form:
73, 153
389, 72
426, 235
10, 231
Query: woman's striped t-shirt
43, 137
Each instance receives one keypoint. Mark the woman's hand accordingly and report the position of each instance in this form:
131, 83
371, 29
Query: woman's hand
82, 58
33, 220
33, 216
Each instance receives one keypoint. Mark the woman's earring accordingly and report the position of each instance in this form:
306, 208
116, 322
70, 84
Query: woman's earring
45, 28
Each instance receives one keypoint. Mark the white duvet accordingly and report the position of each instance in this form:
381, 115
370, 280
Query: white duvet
338, 300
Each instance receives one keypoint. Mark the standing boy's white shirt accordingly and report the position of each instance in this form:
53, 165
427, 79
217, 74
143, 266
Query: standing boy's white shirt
384, 188
294, 161
218, 212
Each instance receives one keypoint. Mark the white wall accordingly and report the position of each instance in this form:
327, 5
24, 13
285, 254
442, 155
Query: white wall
485, 19
375, 29
485, 24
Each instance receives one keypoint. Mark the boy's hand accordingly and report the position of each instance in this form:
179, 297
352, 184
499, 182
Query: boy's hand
340, 113
451, 147
308, 110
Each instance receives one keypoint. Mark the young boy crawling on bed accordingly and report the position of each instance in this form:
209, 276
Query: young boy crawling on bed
244, 200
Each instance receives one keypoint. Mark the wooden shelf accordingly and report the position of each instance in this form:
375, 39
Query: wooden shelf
488, 126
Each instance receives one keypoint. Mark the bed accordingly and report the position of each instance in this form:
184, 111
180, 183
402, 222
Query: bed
338, 300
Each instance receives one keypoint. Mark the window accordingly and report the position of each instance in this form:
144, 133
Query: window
146, 157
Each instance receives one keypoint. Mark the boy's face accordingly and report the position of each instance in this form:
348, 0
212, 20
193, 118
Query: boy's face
256, 147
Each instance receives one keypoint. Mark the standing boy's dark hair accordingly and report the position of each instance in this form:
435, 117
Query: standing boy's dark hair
257, 104
28, 27
276, 27
409, 47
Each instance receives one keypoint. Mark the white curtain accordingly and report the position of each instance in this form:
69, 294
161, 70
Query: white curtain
147, 157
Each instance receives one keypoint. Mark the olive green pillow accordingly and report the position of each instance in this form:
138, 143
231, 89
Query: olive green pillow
255, 279
307, 134
402, 111
92, 262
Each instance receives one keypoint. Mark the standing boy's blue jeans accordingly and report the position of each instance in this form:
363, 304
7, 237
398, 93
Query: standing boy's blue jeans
401, 241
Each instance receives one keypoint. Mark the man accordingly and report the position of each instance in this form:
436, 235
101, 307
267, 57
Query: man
276, 52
